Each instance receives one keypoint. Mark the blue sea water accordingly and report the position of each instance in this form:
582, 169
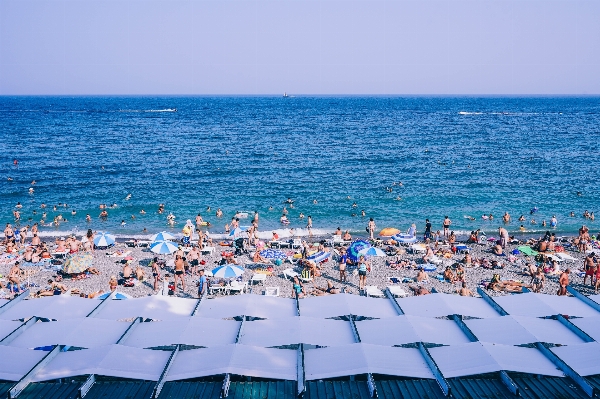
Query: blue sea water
454, 156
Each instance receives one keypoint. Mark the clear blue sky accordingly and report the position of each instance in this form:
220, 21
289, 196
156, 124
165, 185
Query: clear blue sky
300, 46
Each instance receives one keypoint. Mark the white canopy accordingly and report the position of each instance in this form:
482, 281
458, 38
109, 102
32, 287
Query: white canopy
339, 361
185, 330
237, 359
57, 307
16, 362
540, 305
345, 304
156, 307
517, 330
436, 305
267, 307
85, 333
582, 358
295, 330
590, 325
111, 360
401, 330
7, 326
480, 358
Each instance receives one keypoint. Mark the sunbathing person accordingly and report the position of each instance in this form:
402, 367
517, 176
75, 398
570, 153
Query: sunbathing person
127, 271
464, 291
259, 259
139, 273
538, 281
428, 255
419, 290
449, 275
298, 288
421, 275
460, 273
318, 291
92, 270
347, 236
14, 276
112, 283
498, 250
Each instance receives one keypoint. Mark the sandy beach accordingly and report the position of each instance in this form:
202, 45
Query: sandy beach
110, 265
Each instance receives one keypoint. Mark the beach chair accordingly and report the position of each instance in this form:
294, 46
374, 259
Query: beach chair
305, 276
296, 243
290, 274
236, 286
372, 290
418, 248
397, 291
272, 291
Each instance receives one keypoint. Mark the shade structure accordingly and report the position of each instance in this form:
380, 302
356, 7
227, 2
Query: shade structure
237, 232
249, 305
388, 232
297, 330
583, 358
111, 360
228, 271
354, 249
273, 254
437, 305
163, 247
235, 359
84, 332
57, 307
8, 326
346, 304
18, 362
319, 256
118, 295
196, 331
104, 239
372, 251
78, 262
163, 236
541, 305
590, 325
337, 361
156, 307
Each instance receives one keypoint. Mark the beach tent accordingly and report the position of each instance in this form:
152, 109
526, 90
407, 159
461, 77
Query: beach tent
111, 360
401, 330
295, 330
238, 359
360, 358
57, 307
16, 362
346, 304
480, 358
249, 305
184, 330
84, 332
437, 305
154, 307
519, 330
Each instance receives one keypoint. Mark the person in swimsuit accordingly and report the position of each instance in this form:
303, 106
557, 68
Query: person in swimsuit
155, 273
309, 225
464, 291
362, 272
298, 288
179, 271
427, 234
590, 268
112, 283
446, 225
342, 265
563, 281
371, 228
318, 291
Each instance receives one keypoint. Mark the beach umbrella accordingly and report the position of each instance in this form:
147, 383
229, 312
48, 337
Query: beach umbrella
118, 295
355, 248
104, 239
388, 232
319, 256
372, 251
227, 271
78, 263
273, 254
163, 236
163, 247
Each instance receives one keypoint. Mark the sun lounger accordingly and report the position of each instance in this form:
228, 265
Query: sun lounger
372, 290
272, 291
397, 291
60, 254
296, 243
207, 250
290, 274
235, 286
258, 278
216, 288
416, 248
565, 257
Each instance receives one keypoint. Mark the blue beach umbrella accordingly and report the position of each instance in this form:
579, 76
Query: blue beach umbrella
319, 256
372, 251
237, 231
104, 239
227, 271
163, 247
273, 254
118, 295
163, 236
355, 248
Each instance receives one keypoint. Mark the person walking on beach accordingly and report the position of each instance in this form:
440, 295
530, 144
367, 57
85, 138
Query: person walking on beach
427, 234
202, 284
371, 228
155, 273
309, 225
179, 271
563, 281
503, 233
343, 261
446, 225
362, 272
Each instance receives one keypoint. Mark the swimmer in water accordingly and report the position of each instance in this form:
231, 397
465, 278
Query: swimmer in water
31, 190
9, 178
132, 217
348, 197
88, 218
301, 215
33, 182
73, 212
579, 193
398, 198
128, 197
315, 202
142, 212
363, 213
354, 205
208, 209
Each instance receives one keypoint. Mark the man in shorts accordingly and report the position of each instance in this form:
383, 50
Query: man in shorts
427, 230
343, 261
202, 284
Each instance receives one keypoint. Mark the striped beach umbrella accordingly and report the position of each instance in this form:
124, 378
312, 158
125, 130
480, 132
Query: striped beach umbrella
355, 248
104, 239
163, 236
163, 247
372, 251
227, 271
319, 256
273, 254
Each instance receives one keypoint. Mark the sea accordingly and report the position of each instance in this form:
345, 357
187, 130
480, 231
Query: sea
398, 159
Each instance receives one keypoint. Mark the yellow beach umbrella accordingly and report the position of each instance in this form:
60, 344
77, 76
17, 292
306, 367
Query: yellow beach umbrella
388, 232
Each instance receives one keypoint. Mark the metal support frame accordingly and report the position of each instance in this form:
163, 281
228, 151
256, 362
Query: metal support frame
491, 302
435, 370
227, 379
16, 390
130, 329
161, 381
87, 385
370, 379
14, 301
465, 329
300, 376
509, 383
574, 329
19, 330
102, 304
395, 303
583, 298
198, 304
565, 368
297, 304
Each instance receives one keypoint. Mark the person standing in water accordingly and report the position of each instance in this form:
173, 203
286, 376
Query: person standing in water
446, 225
371, 228
309, 225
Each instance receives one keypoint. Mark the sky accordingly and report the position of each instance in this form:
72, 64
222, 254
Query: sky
302, 47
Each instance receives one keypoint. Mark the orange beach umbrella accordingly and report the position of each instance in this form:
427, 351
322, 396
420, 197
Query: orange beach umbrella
388, 232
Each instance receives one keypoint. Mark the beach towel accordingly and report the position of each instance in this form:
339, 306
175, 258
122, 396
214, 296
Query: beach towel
527, 250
